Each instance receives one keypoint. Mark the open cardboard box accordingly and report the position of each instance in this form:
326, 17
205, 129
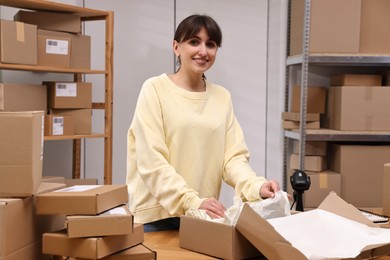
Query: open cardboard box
274, 246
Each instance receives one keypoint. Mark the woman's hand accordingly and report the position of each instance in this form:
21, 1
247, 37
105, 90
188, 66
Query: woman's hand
268, 189
213, 208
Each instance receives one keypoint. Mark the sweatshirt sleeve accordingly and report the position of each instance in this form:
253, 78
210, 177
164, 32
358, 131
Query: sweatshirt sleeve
152, 155
237, 171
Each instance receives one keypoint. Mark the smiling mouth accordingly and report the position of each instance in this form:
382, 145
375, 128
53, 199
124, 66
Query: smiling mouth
201, 61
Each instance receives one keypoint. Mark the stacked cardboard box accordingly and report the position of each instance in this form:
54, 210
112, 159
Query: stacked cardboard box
59, 39
98, 225
322, 179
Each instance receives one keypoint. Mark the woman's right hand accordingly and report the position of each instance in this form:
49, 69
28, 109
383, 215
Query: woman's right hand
213, 208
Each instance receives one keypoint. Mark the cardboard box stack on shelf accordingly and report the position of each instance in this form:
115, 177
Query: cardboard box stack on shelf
316, 101
98, 226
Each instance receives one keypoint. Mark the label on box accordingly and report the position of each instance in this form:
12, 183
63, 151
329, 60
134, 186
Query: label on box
66, 89
54, 46
78, 188
58, 125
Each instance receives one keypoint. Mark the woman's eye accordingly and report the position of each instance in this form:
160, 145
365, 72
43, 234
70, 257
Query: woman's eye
194, 42
211, 45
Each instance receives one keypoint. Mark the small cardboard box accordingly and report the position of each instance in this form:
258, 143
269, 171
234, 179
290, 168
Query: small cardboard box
311, 148
297, 125
215, 239
313, 163
358, 108
72, 182
22, 97
21, 229
51, 20
53, 179
59, 125
58, 243
386, 189
116, 221
316, 99
356, 80
21, 153
82, 119
296, 117
53, 50
18, 42
361, 169
82, 199
274, 246
72, 95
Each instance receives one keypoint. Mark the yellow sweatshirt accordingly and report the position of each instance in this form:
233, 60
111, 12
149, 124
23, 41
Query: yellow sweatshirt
180, 146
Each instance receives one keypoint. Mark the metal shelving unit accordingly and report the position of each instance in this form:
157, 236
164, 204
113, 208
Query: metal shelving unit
305, 60
86, 15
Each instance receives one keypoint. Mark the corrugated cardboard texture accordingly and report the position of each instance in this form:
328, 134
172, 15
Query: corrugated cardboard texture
215, 239
66, 127
316, 99
51, 20
100, 225
311, 148
80, 96
386, 189
88, 202
53, 59
57, 243
18, 42
21, 153
138, 252
22, 97
356, 80
313, 163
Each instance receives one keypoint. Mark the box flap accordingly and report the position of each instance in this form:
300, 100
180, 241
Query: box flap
334, 204
264, 237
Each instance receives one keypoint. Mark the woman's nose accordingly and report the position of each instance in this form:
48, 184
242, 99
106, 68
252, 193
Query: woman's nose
202, 49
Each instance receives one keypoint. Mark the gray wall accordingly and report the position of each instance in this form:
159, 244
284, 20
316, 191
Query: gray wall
250, 64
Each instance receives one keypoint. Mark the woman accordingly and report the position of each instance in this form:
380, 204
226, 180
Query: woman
184, 138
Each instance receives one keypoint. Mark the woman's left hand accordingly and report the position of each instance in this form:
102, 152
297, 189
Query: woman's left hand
268, 189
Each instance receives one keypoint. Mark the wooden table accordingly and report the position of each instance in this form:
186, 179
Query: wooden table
166, 244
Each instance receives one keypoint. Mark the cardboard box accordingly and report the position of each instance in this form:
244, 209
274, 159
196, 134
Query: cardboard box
53, 50
311, 148
215, 239
53, 179
82, 118
386, 189
316, 99
21, 229
361, 169
69, 94
313, 163
21, 153
297, 125
59, 125
138, 252
116, 221
293, 116
322, 183
356, 80
90, 199
358, 108
274, 246
80, 51
58, 243
72, 182
374, 34
22, 97
334, 28
51, 20
18, 42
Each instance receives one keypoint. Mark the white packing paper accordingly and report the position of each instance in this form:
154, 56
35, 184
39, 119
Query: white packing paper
278, 206
319, 234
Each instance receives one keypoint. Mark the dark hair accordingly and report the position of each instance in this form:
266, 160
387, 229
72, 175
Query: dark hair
191, 26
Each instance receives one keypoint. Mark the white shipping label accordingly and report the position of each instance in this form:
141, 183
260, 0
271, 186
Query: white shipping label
60, 47
58, 125
78, 188
66, 89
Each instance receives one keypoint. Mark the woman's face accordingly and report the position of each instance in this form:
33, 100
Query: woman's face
196, 54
